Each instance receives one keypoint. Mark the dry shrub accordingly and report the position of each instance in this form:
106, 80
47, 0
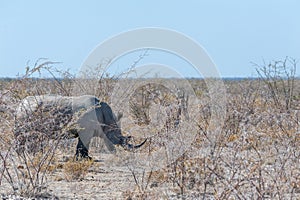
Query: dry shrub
255, 156
279, 76
26, 167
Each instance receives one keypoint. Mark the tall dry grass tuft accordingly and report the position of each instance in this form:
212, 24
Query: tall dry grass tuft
76, 170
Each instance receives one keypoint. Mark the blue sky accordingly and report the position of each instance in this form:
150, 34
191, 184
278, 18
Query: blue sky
234, 33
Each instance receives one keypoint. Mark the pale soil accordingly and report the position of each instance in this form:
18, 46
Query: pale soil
106, 179
102, 181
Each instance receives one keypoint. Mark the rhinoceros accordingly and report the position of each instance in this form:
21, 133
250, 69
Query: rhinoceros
84, 117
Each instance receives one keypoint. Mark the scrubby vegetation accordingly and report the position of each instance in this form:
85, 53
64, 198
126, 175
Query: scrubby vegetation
254, 154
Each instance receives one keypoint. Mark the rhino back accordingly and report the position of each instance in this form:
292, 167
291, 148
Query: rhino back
84, 102
49, 113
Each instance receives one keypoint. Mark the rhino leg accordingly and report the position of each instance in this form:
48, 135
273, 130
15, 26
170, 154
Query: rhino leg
81, 151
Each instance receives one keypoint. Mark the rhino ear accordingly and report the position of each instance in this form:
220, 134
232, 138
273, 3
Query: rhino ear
119, 116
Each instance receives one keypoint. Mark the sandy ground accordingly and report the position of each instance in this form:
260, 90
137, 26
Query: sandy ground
101, 182
106, 179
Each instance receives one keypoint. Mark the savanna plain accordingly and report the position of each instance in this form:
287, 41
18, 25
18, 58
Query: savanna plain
207, 138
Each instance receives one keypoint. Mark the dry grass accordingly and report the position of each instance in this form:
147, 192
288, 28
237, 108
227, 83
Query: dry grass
76, 170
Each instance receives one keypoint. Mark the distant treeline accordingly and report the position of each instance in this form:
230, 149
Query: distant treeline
8, 79
225, 78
